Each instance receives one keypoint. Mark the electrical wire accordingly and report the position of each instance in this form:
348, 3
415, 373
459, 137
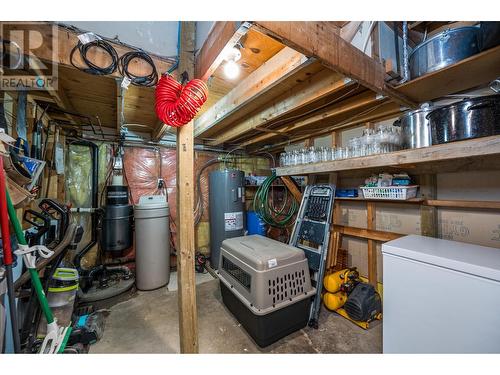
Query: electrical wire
93, 68
263, 205
199, 209
307, 113
114, 40
148, 80
230, 152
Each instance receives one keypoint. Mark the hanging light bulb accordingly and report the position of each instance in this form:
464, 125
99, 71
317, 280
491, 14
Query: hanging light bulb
231, 69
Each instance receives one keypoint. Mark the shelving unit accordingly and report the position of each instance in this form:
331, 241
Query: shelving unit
443, 157
474, 71
361, 199
473, 148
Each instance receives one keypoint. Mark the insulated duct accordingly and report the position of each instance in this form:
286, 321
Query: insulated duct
95, 199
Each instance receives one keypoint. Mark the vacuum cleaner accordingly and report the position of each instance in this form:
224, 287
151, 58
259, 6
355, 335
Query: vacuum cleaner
112, 232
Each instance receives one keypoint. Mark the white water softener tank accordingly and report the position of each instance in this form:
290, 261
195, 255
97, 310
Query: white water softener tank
152, 242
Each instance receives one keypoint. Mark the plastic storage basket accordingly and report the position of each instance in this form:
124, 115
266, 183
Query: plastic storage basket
266, 285
390, 192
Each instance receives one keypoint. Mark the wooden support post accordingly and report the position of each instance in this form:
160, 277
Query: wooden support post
428, 214
188, 321
372, 249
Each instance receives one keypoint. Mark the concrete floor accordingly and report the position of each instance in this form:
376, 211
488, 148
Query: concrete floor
148, 323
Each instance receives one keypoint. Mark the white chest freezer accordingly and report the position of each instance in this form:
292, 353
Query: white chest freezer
440, 297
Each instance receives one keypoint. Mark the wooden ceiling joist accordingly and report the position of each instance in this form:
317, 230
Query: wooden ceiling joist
322, 40
386, 111
356, 103
223, 36
272, 73
318, 86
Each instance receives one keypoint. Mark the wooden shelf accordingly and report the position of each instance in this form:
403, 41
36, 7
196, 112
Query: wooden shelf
361, 199
474, 71
473, 148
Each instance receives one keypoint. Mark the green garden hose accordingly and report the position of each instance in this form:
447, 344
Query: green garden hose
263, 205
35, 279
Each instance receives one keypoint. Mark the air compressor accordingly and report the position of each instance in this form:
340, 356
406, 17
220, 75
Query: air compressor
351, 297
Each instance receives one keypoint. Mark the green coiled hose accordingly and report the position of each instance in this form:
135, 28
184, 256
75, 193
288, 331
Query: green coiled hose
263, 206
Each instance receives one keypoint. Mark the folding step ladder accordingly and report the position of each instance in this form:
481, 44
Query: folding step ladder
311, 234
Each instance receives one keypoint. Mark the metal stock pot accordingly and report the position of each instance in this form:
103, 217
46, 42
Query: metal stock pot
466, 119
443, 49
415, 128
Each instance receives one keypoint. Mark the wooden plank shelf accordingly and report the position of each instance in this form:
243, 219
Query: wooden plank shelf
473, 148
361, 199
474, 71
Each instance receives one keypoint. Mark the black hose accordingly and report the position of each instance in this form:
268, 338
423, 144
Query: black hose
148, 80
91, 67
95, 200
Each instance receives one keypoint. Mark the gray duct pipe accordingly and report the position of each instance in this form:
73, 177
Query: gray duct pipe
406, 64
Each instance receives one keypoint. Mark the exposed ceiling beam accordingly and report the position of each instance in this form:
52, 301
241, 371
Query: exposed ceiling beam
223, 36
313, 89
349, 31
267, 76
159, 131
58, 94
385, 111
356, 103
322, 40
67, 39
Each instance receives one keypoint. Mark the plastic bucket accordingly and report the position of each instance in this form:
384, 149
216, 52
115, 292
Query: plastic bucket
63, 287
255, 225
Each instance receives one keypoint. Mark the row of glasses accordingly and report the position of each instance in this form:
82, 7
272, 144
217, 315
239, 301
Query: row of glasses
373, 141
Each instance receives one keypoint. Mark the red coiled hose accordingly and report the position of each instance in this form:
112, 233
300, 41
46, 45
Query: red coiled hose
176, 105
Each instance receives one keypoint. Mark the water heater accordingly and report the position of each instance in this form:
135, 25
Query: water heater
227, 209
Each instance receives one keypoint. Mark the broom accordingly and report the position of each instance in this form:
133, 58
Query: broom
57, 337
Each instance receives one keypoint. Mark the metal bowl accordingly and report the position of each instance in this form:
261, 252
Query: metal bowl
443, 49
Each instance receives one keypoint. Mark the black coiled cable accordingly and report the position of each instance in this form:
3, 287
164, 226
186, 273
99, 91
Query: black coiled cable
148, 80
91, 67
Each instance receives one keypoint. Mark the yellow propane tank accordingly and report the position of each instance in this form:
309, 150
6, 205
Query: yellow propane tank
334, 301
334, 281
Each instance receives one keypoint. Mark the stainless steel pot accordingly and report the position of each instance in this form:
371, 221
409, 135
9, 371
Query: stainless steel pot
415, 128
469, 118
443, 49
489, 35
